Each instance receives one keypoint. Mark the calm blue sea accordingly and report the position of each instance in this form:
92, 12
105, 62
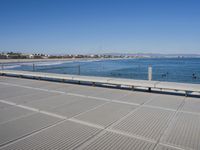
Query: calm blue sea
186, 70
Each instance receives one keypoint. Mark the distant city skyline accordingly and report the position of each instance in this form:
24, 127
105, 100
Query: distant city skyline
100, 26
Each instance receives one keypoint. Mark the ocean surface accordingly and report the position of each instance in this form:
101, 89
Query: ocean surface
185, 70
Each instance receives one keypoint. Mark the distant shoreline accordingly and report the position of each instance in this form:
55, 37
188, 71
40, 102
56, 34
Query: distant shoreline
3, 61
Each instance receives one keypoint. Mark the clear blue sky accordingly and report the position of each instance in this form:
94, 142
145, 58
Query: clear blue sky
99, 26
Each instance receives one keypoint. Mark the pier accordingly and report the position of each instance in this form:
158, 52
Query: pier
40, 114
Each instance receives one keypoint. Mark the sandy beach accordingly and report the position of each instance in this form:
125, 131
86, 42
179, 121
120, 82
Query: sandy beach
3, 61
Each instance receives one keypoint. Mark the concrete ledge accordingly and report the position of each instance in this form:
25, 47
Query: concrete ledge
187, 88
178, 86
135, 83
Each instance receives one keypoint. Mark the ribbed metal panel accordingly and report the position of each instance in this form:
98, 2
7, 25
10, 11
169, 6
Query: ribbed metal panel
167, 101
16, 129
184, 132
85, 90
65, 136
113, 141
192, 105
137, 97
112, 94
53, 102
13, 80
65, 88
31, 97
161, 147
13, 91
11, 113
106, 114
77, 107
39, 84
3, 105
56, 86
146, 122
3, 86
126, 131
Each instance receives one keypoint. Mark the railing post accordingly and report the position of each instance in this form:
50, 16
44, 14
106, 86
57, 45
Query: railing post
33, 67
2, 67
150, 73
79, 69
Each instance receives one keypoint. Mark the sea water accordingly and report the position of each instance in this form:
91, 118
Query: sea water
186, 70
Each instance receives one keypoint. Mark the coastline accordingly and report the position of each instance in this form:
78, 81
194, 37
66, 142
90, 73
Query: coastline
4, 61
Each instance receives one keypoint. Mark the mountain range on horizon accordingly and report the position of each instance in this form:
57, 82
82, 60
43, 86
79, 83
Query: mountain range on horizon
153, 54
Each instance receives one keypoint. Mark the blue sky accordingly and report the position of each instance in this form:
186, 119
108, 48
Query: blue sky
100, 26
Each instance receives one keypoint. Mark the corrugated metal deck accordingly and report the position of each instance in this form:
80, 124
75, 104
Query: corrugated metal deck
184, 132
4, 105
11, 113
137, 97
41, 115
53, 102
23, 126
191, 105
77, 107
162, 147
167, 101
33, 96
146, 122
13, 91
113, 111
113, 141
66, 136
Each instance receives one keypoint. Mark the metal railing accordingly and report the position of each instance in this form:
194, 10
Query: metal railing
137, 72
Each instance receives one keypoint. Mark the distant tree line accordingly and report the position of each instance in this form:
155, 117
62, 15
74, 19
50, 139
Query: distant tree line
16, 55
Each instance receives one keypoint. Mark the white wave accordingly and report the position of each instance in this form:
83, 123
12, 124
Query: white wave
49, 63
11, 67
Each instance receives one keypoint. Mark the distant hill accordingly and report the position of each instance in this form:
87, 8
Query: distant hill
155, 55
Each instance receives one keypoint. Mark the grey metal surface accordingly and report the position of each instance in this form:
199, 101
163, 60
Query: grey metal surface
192, 105
184, 132
57, 86
28, 82
112, 94
13, 91
24, 81
40, 84
65, 136
167, 101
113, 141
11, 113
32, 96
53, 102
3, 105
72, 109
2, 86
149, 123
13, 80
85, 90
18, 128
161, 147
137, 97
106, 114
126, 126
